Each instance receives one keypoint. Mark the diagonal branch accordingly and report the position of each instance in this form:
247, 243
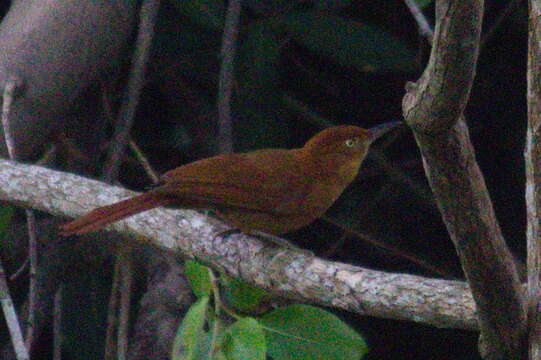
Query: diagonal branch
433, 107
441, 303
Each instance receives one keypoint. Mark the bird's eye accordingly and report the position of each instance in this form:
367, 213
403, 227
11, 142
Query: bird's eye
350, 142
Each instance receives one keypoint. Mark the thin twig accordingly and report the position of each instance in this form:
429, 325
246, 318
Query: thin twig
144, 162
21, 269
225, 82
424, 27
8, 96
125, 294
126, 114
112, 318
311, 115
32, 292
392, 249
511, 5
11, 318
57, 324
147, 20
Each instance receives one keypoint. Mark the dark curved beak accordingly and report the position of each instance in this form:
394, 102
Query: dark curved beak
379, 130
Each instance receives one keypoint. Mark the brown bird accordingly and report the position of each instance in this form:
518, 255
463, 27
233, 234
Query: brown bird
274, 191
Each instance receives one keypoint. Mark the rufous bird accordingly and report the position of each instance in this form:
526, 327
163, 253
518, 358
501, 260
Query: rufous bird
273, 191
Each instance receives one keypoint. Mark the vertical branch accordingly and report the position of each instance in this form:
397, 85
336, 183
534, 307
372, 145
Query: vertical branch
7, 99
57, 324
147, 20
433, 107
112, 318
21, 349
533, 175
125, 292
126, 113
32, 289
225, 82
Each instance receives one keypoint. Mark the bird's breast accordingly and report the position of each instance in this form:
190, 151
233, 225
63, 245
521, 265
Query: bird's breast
348, 171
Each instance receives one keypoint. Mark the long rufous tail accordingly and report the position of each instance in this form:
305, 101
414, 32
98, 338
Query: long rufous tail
100, 217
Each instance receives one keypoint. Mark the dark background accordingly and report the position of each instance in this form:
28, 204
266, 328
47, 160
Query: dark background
299, 69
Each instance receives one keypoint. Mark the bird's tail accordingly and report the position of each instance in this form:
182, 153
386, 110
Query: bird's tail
100, 217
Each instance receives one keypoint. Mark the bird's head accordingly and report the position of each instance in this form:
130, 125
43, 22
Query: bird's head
336, 153
348, 140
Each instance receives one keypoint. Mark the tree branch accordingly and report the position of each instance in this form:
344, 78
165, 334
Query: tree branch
440, 303
225, 81
533, 174
136, 81
433, 107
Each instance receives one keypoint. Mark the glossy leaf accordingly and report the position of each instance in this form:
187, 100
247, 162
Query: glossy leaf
190, 335
243, 297
307, 332
199, 277
245, 340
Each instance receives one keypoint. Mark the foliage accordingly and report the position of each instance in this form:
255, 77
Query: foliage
291, 332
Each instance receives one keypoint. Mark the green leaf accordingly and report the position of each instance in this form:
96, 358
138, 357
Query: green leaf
245, 340
308, 332
190, 335
348, 42
208, 13
219, 356
199, 277
243, 297
6, 212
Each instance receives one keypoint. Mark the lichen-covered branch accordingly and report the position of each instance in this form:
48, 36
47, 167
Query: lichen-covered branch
533, 179
433, 107
440, 303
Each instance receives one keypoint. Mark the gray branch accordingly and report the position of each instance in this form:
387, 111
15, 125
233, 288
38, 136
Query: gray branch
441, 303
433, 107
533, 174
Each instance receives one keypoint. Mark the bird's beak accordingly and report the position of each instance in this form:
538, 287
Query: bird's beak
379, 130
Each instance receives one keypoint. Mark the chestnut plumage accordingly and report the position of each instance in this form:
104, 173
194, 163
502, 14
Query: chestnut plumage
271, 190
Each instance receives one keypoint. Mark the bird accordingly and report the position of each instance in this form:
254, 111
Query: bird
272, 191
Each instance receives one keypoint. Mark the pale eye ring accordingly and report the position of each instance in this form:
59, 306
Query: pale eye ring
350, 142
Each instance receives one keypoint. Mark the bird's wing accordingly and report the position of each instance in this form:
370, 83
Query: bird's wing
268, 181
